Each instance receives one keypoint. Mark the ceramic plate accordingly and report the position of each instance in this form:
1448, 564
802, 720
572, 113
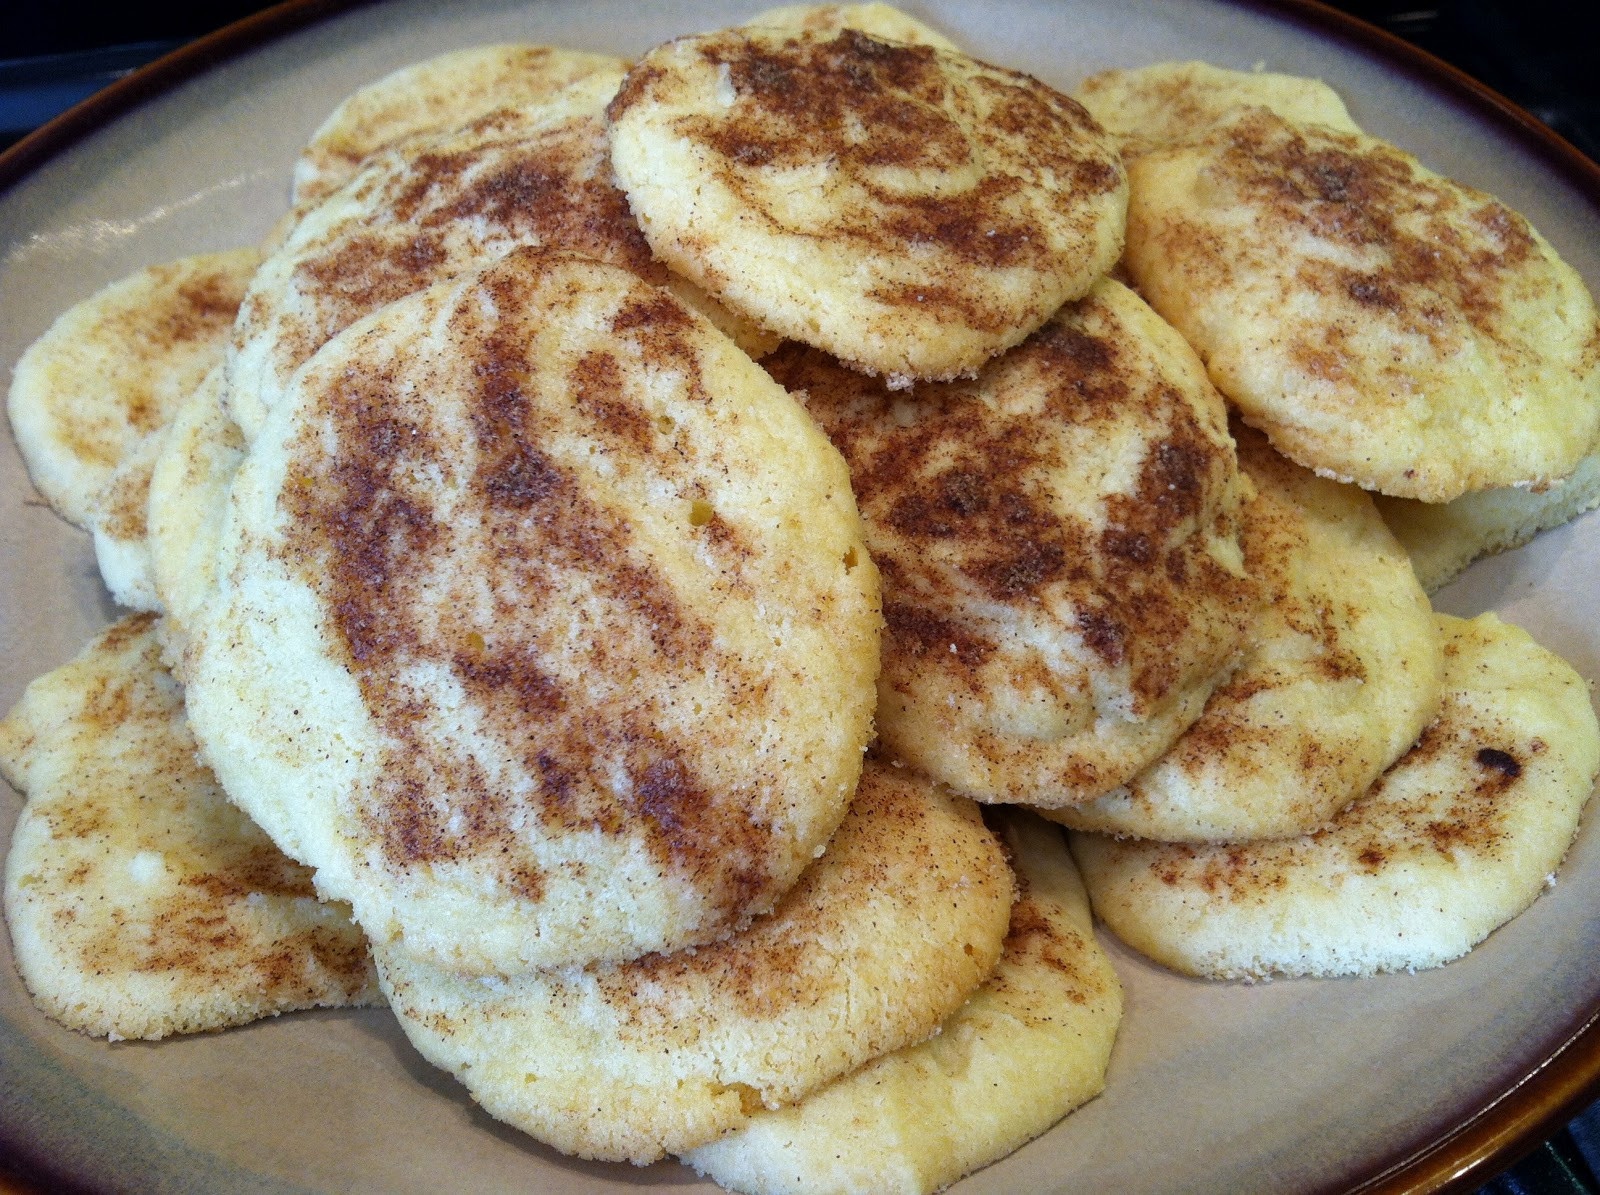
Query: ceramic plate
1286, 1086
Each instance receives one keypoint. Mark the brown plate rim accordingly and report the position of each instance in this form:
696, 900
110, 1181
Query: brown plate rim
1562, 1079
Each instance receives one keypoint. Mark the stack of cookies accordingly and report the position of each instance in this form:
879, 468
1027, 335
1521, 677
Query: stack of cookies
596, 559
1368, 793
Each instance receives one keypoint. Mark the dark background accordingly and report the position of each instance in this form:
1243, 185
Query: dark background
1541, 54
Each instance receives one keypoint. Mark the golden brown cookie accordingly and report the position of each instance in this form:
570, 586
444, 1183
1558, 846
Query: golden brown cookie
196, 458
1059, 540
1027, 1048
1382, 325
112, 370
441, 93
882, 21
1442, 538
140, 902
910, 210
883, 938
120, 529
1342, 672
544, 630
433, 207
1455, 840
1173, 102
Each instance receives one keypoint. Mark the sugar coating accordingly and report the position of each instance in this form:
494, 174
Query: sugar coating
910, 210
1028, 1047
544, 628
1455, 840
882, 21
430, 208
883, 938
437, 94
1343, 671
1059, 538
112, 370
1174, 102
1382, 324
119, 526
140, 902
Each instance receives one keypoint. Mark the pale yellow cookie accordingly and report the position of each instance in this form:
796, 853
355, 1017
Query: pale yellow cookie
880, 20
444, 92
434, 207
1059, 540
910, 210
120, 530
140, 902
1030, 1045
883, 938
1382, 325
1442, 538
196, 459
1455, 840
544, 628
112, 369
1343, 671
1174, 102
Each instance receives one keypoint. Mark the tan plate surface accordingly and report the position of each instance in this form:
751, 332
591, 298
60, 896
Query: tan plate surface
1423, 1082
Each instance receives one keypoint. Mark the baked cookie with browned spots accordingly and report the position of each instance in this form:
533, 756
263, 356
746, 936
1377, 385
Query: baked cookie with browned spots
140, 902
444, 92
1455, 840
1343, 670
89, 394
1174, 102
1059, 540
1382, 325
883, 938
544, 629
1442, 538
1027, 1048
112, 369
883, 21
431, 208
910, 210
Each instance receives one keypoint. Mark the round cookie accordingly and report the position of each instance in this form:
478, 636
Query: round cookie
1343, 671
1455, 840
882, 21
112, 370
440, 93
1382, 325
910, 210
195, 462
1174, 102
434, 207
544, 629
1027, 1048
1059, 540
883, 938
140, 902
1442, 538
